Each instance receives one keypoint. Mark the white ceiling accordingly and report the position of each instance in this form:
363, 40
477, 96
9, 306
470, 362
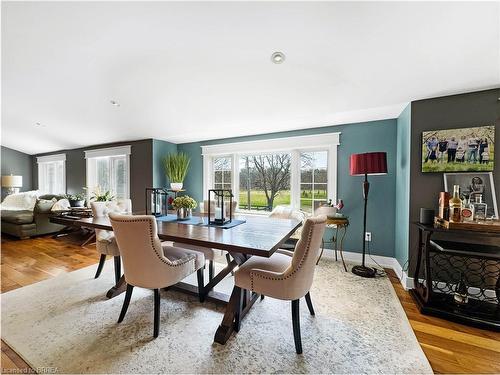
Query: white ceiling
192, 71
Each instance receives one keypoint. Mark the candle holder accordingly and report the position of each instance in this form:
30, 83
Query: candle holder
156, 201
220, 198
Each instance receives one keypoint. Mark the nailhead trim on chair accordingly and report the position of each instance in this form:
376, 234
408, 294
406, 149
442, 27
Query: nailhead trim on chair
309, 235
165, 260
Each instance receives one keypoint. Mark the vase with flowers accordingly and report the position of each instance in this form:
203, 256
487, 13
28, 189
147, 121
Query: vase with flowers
184, 206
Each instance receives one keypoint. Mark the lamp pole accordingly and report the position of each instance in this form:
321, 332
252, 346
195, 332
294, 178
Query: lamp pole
363, 270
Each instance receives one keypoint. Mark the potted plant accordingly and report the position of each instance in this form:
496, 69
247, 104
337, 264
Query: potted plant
176, 167
76, 200
100, 195
184, 206
100, 198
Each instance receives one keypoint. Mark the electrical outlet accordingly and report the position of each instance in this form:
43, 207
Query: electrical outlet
368, 236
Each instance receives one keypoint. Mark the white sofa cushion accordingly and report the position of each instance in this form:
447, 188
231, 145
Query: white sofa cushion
25, 201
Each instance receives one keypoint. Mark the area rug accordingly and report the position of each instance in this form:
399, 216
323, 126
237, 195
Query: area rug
68, 324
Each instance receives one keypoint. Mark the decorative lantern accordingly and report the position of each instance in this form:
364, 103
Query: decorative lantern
156, 201
220, 197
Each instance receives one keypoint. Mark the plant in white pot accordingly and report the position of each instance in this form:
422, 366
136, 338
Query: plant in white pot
99, 200
184, 206
176, 167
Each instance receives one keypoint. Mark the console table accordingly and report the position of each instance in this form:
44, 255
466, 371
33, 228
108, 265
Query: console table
441, 264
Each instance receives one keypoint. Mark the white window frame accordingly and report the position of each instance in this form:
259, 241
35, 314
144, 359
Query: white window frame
108, 152
293, 145
51, 159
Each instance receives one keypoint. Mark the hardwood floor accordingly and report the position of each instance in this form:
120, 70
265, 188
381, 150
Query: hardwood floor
450, 347
25, 262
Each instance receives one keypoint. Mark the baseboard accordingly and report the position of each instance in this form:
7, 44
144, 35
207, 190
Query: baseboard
376, 260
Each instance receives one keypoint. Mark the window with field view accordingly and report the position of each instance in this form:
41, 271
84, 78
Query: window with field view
264, 181
297, 171
313, 179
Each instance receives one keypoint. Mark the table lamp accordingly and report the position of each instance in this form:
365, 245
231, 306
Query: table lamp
12, 183
370, 163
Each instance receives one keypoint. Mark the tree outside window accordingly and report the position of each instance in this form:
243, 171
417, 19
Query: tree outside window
264, 181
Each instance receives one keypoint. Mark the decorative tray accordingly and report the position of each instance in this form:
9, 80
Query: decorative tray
477, 226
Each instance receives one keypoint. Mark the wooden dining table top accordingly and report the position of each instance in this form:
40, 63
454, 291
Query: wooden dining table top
259, 235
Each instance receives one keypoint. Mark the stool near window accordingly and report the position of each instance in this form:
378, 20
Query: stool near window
370, 163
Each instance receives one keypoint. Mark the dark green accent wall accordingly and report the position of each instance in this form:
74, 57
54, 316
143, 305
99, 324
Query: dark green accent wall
160, 150
19, 164
141, 174
401, 239
355, 138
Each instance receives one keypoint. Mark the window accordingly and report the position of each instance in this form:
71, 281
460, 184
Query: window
264, 181
300, 172
222, 172
52, 174
108, 169
313, 179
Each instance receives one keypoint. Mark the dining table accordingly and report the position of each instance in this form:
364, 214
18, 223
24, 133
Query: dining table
255, 236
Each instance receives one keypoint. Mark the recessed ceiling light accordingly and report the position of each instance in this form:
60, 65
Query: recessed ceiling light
115, 103
39, 125
278, 57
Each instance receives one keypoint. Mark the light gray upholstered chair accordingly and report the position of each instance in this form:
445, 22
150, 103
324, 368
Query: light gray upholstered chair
105, 240
150, 264
285, 275
207, 251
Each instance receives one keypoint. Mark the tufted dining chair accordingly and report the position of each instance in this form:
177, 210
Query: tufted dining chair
105, 240
285, 275
150, 264
208, 252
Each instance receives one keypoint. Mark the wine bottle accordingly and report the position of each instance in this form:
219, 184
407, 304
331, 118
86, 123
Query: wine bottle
455, 205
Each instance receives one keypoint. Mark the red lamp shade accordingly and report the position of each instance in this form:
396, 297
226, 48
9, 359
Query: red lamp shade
368, 163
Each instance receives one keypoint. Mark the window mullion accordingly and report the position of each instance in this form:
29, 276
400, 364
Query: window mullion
235, 177
295, 180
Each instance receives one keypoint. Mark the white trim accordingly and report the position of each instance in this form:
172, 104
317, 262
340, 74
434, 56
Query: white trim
109, 151
316, 141
406, 281
235, 176
386, 262
51, 158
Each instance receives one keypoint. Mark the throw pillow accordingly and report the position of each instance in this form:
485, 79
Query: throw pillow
61, 205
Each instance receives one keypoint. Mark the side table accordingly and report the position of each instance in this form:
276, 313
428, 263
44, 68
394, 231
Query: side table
340, 225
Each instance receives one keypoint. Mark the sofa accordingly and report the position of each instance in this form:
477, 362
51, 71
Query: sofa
30, 219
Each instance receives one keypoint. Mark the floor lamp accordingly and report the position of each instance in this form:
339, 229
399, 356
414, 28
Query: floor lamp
370, 163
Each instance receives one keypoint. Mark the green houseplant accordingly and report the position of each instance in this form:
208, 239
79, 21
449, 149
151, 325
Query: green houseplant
76, 200
176, 167
184, 206
100, 195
